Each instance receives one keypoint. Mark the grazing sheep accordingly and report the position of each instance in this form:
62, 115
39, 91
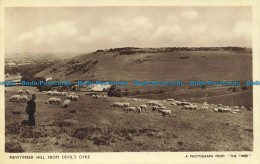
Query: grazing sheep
20, 91
53, 100
152, 103
173, 104
27, 91
155, 108
165, 112
63, 93
117, 104
120, 105
215, 109
178, 102
138, 109
73, 97
162, 107
131, 108
250, 108
134, 99
15, 98
66, 103
23, 98
204, 108
143, 107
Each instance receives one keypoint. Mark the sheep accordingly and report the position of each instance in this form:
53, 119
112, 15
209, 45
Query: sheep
178, 102
117, 104
66, 103
236, 111
20, 91
205, 103
162, 107
170, 99
63, 93
204, 108
185, 103
131, 108
250, 108
15, 98
138, 109
215, 109
53, 100
173, 104
23, 98
154, 108
73, 97
152, 103
134, 99
120, 105
191, 107
165, 112
27, 91
143, 107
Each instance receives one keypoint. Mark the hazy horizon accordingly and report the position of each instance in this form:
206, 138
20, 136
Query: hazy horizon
81, 30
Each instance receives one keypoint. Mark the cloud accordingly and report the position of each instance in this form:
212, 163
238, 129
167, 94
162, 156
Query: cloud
49, 33
243, 28
189, 14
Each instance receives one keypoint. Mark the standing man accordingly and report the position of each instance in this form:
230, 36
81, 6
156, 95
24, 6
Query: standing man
30, 110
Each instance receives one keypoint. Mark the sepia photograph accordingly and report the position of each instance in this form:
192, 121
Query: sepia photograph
131, 81
108, 56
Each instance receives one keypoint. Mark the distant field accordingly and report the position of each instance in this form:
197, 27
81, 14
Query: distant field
94, 126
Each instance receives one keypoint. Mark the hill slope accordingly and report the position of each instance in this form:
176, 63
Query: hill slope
154, 64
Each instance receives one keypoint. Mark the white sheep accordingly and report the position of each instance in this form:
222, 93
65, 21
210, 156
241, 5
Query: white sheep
215, 109
24, 98
120, 104
27, 91
53, 100
170, 99
152, 103
20, 91
15, 98
66, 103
162, 107
204, 108
165, 112
143, 107
131, 108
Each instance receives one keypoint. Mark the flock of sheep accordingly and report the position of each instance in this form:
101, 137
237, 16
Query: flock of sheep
19, 97
53, 100
156, 106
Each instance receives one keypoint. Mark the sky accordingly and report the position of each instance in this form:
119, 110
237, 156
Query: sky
86, 29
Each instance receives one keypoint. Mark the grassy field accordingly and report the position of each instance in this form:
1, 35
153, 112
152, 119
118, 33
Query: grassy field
92, 125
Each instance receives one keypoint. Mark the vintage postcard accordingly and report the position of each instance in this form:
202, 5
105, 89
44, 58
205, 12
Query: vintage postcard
130, 81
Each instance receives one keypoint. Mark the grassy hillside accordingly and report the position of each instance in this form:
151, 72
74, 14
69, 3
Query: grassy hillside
92, 125
155, 64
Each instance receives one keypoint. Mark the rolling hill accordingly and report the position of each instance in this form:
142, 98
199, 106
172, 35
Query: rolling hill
155, 64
